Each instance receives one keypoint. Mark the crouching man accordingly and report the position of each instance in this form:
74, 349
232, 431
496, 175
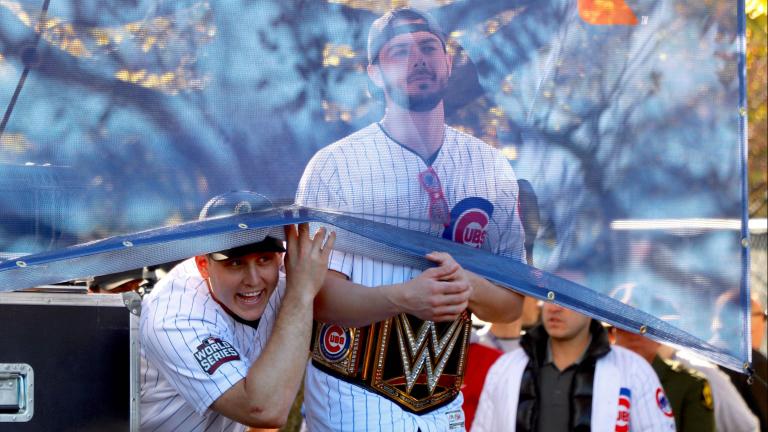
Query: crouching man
225, 338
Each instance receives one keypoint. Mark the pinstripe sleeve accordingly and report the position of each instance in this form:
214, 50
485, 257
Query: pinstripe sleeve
646, 413
181, 338
319, 185
512, 235
320, 188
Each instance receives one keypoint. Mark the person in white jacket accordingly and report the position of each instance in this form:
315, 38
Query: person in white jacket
567, 377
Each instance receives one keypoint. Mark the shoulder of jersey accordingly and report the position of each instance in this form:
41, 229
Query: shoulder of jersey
629, 357
360, 137
180, 275
475, 145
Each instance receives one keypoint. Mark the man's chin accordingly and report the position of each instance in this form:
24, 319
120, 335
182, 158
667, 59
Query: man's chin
251, 314
419, 102
424, 105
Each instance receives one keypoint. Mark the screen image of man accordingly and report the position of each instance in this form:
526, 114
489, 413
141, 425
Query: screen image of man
413, 171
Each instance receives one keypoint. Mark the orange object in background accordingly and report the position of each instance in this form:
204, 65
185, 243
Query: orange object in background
606, 12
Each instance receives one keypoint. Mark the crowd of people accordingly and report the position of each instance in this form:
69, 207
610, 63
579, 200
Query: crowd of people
225, 336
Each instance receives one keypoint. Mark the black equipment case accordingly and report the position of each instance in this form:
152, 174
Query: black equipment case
69, 361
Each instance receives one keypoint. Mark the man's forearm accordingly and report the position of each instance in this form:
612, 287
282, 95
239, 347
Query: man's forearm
493, 303
352, 305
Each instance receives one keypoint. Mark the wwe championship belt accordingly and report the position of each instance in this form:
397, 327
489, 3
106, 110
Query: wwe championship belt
417, 364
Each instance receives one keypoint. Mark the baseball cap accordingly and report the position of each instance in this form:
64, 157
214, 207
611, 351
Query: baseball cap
386, 27
237, 202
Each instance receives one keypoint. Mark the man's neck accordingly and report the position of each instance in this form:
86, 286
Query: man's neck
420, 132
566, 352
508, 330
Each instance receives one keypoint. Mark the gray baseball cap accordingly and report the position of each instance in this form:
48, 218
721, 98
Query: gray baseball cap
237, 202
386, 27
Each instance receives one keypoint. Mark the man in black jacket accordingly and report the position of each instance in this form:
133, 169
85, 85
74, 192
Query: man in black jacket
567, 377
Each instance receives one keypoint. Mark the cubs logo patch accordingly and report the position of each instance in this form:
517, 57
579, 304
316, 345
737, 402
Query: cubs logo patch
625, 404
663, 402
213, 353
469, 222
335, 341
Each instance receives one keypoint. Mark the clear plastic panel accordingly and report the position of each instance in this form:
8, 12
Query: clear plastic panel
622, 122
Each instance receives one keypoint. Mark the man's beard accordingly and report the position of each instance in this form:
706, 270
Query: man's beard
422, 102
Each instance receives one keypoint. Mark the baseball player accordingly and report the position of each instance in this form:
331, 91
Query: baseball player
568, 377
390, 342
224, 336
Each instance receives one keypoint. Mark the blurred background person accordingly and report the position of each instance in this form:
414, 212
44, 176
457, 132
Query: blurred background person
494, 339
567, 377
487, 345
689, 392
756, 393
731, 411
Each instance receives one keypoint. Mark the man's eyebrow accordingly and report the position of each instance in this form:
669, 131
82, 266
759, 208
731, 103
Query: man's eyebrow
397, 45
424, 42
430, 41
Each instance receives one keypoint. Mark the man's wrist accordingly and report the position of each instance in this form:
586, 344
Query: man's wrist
392, 296
298, 294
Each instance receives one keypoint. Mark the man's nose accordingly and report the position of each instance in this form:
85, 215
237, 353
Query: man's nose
252, 276
556, 309
417, 58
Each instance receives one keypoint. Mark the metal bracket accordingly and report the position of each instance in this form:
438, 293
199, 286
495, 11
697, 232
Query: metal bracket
132, 300
16, 392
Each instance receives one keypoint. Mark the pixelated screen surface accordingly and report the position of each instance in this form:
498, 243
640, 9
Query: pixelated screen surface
604, 139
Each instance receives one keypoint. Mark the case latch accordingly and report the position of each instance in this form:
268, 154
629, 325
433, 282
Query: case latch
16, 392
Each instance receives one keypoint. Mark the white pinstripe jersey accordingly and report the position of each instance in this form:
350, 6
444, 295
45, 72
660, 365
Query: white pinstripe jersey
192, 351
627, 395
371, 175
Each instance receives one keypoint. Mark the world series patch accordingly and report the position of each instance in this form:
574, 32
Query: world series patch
335, 341
213, 353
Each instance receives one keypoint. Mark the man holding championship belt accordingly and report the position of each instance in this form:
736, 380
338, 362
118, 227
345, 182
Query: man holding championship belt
390, 342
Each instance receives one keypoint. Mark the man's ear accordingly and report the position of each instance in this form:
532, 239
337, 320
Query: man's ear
374, 73
202, 266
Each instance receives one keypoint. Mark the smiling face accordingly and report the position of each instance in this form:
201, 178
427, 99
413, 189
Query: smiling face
564, 324
242, 285
413, 69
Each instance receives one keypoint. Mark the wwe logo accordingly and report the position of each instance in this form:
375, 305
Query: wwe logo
415, 352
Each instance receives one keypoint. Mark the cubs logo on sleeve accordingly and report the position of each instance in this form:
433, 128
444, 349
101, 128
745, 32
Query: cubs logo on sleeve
469, 222
663, 402
213, 353
625, 405
334, 342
